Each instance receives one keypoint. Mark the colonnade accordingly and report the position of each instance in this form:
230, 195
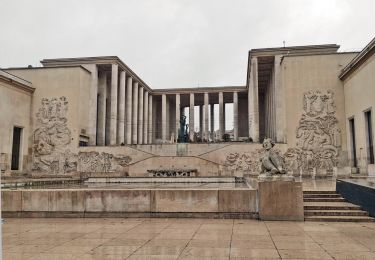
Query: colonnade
124, 109
205, 118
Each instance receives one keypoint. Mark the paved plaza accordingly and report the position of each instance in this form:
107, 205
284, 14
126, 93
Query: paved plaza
185, 239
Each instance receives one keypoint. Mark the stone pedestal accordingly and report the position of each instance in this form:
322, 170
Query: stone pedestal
280, 198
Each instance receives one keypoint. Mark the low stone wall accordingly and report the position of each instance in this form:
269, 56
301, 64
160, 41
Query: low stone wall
241, 203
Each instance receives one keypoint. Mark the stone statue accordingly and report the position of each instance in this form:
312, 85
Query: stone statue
272, 163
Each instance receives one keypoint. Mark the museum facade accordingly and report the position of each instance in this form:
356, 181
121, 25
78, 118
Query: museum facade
96, 115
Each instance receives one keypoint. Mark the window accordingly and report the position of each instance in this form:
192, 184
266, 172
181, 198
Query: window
16, 148
352, 141
369, 142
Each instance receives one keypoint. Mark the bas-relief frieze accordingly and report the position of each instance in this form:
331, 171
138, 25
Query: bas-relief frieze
52, 138
318, 140
248, 161
101, 162
318, 135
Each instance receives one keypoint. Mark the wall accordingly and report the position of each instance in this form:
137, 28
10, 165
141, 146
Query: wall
359, 97
315, 112
15, 110
60, 112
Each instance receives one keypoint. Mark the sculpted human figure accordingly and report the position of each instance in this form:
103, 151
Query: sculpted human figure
272, 163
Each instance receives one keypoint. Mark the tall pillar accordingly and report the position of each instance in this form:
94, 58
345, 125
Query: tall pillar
140, 116
113, 119
102, 108
121, 110
129, 94
253, 101
205, 116
280, 102
145, 118
135, 114
212, 116
201, 121
150, 118
221, 116
93, 105
178, 116
164, 118
191, 117
235, 116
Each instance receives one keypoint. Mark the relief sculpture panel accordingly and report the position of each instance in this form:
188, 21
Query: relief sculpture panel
248, 162
318, 135
52, 137
102, 162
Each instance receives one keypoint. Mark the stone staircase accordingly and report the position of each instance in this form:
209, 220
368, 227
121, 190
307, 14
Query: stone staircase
331, 207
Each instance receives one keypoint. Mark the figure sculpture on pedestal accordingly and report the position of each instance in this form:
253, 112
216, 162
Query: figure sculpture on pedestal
272, 163
183, 136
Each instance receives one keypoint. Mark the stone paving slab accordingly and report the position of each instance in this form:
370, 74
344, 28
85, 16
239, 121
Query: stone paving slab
168, 238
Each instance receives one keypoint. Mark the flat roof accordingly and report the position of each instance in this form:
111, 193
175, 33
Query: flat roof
52, 67
199, 90
358, 60
94, 60
289, 50
16, 81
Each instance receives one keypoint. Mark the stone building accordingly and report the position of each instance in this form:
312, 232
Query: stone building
96, 115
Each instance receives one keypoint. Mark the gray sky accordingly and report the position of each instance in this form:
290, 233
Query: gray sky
171, 43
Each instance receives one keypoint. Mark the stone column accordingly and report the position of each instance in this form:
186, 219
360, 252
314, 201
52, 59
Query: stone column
121, 110
145, 119
235, 116
150, 126
191, 117
201, 121
280, 102
113, 119
178, 116
212, 116
221, 115
140, 116
205, 128
253, 101
135, 114
129, 93
102, 108
93, 104
164, 118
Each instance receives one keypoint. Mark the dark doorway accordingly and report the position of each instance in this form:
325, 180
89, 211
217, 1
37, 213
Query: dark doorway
370, 146
16, 147
352, 138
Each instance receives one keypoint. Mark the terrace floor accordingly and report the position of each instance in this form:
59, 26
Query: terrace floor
184, 239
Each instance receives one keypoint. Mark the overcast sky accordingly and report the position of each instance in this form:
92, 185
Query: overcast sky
177, 43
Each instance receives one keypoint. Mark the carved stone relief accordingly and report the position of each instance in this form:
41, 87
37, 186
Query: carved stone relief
101, 162
318, 135
248, 161
52, 137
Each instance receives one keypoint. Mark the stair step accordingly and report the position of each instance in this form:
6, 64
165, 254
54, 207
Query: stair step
319, 192
336, 213
324, 200
340, 219
330, 206
307, 196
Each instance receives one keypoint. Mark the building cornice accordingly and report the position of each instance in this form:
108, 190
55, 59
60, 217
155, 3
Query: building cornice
96, 60
358, 60
16, 81
200, 90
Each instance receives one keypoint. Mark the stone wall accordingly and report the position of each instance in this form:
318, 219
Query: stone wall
132, 202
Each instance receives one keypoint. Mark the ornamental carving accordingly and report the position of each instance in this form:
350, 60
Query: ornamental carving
318, 134
248, 161
102, 162
52, 137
